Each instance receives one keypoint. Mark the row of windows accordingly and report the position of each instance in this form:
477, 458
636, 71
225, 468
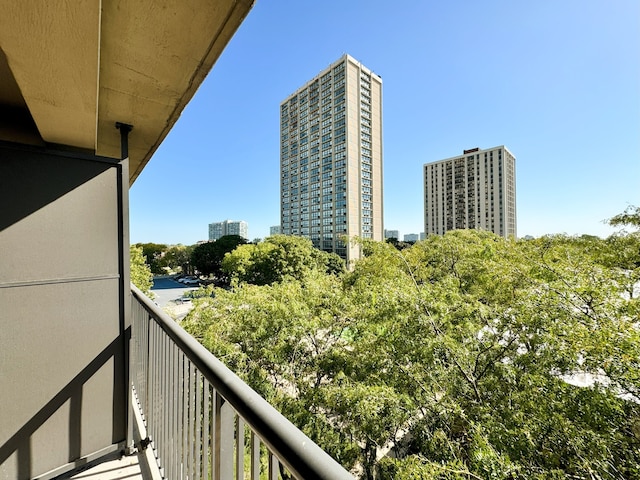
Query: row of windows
338, 223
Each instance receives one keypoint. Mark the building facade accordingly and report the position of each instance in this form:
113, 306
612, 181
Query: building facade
391, 234
228, 227
411, 237
331, 158
275, 230
476, 190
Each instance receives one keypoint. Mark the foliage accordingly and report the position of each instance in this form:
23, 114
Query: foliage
141, 275
457, 355
153, 253
177, 257
630, 218
400, 245
277, 258
207, 257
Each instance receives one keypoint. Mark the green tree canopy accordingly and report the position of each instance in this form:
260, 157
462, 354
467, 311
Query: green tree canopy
458, 354
277, 258
207, 257
177, 257
629, 218
153, 253
141, 275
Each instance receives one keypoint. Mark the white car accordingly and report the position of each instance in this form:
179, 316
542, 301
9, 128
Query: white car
187, 279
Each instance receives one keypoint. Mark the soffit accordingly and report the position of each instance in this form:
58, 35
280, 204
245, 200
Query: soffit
81, 66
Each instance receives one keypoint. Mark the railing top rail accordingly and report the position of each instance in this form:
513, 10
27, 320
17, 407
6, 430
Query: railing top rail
276, 431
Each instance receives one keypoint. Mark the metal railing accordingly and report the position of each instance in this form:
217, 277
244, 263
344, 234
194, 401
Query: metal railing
202, 420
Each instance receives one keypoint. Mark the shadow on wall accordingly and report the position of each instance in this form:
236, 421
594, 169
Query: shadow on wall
27, 180
63, 298
20, 442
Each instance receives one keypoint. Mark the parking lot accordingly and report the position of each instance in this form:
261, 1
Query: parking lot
167, 291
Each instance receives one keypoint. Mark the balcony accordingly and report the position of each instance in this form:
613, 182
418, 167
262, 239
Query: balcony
201, 420
174, 400
192, 418
88, 92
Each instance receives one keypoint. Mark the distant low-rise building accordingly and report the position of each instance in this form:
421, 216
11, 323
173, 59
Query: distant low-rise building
275, 230
411, 237
392, 234
423, 235
228, 227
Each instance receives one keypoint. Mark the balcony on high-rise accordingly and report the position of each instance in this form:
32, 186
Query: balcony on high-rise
92, 371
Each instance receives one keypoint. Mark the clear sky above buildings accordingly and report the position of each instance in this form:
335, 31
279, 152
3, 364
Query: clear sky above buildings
556, 81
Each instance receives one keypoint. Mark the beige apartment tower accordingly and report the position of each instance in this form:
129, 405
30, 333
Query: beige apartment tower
331, 158
474, 190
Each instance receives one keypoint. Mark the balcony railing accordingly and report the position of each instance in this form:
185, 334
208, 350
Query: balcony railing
203, 421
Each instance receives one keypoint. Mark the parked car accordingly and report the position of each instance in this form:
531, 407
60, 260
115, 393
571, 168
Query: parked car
191, 281
187, 279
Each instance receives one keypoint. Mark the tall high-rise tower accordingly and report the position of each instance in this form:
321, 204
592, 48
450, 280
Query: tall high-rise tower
474, 190
331, 158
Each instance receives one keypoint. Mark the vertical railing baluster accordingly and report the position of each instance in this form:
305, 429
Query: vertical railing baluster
162, 404
173, 356
142, 348
240, 449
255, 456
150, 386
176, 409
168, 405
198, 424
273, 466
185, 419
156, 388
214, 436
192, 401
151, 427
178, 394
205, 429
146, 352
157, 407
137, 324
179, 412
224, 438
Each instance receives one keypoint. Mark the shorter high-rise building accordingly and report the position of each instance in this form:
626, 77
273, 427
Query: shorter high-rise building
228, 227
275, 230
423, 235
411, 237
475, 190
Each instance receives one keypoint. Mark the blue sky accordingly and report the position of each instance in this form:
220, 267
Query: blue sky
556, 81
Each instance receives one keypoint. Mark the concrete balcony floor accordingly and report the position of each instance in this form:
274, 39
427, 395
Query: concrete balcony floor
139, 466
121, 468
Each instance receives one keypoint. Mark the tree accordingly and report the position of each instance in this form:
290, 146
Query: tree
457, 354
207, 257
153, 253
177, 257
277, 258
400, 245
630, 218
141, 275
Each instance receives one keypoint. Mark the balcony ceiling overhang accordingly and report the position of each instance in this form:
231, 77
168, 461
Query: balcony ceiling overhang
69, 70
